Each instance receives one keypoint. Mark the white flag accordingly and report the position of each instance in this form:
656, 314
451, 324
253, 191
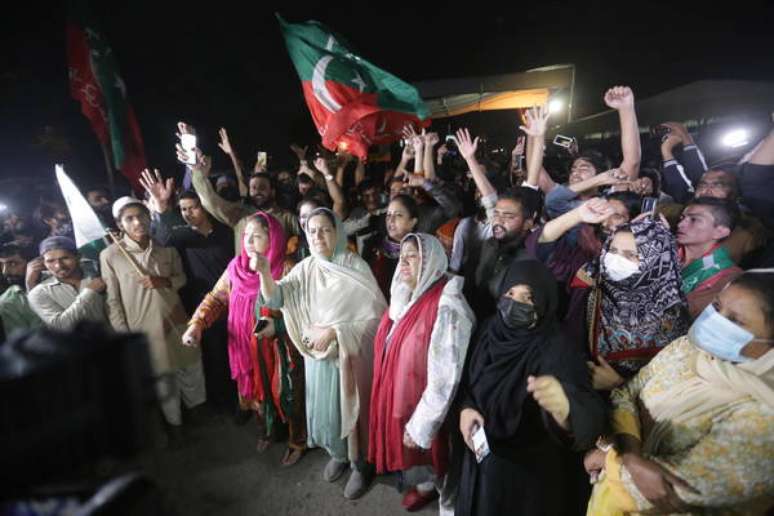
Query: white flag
86, 224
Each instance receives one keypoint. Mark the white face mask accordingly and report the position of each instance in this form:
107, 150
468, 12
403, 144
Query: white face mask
618, 268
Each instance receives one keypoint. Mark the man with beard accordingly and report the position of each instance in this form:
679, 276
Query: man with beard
99, 198
512, 219
68, 296
15, 312
206, 247
261, 191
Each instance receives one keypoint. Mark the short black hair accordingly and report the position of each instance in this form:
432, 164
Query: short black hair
409, 203
655, 178
366, 184
263, 175
596, 158
11, 249
630, 200
724, 212
526, 201
728, 172
190, 194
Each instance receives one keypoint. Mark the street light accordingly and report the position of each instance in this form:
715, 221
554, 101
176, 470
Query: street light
555, 106
736, 138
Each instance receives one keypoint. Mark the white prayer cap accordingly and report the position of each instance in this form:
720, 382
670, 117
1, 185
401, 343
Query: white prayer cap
123, 202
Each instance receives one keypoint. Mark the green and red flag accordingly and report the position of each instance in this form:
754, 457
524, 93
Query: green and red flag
353, 103
97, 84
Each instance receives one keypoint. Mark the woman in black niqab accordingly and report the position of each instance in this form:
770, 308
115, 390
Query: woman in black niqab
525, 473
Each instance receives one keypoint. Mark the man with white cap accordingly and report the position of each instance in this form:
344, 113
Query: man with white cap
68, 296
142, 279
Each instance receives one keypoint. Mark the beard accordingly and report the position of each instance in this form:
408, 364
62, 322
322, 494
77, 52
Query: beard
14, 280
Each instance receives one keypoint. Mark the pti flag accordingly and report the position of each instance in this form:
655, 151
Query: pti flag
96, 82
354, 103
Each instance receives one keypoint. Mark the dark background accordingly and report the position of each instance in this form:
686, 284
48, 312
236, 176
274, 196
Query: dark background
224, 63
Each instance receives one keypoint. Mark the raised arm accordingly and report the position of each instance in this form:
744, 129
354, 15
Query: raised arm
431, 140
225, 146
468, 147
621, 99
536, 120
593, 211
334, 189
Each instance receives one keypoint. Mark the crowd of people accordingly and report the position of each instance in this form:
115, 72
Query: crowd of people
504, 336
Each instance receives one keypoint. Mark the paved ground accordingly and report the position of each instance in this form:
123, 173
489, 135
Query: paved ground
217, 472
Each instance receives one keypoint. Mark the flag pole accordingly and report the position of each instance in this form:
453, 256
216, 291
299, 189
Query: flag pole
109, 169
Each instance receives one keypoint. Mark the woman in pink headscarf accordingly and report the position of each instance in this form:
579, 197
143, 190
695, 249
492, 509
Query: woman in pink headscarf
268, 371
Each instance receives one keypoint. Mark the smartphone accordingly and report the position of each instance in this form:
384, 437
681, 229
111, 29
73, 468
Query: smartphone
480, 443
188, 143
660, 131
563, 141
262, 159
260, 326
649, 205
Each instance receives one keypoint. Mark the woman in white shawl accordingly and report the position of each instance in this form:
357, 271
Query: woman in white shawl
419, 352
332, 306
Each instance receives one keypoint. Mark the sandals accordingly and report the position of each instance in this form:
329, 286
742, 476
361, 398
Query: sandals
291, 456
262, 445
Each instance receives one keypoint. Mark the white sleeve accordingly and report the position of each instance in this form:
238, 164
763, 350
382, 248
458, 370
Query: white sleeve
445, 359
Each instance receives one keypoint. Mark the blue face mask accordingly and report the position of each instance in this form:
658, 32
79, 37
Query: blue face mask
718, 336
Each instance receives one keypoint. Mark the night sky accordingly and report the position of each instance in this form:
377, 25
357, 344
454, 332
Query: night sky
223, 63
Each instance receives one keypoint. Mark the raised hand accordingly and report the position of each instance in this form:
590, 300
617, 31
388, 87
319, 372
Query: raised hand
595, 211
160, 191
432, 139
466, 144
619, 97
184, 128
224, 143
299, 151
408, 153
518, 149
322, 165
536, 120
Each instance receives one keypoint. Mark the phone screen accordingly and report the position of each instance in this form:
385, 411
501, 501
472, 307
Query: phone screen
188, 142
649, 204
563, 141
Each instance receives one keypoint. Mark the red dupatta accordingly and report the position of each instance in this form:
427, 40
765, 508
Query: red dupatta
400, 378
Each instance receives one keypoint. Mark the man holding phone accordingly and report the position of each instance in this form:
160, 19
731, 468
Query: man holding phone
68, 296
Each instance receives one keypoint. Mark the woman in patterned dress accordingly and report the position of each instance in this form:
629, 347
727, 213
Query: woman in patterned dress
693, 431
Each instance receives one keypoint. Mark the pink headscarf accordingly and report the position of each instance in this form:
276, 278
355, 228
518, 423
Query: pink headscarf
245, 286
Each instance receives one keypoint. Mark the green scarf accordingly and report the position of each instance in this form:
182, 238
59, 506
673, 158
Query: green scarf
702, 269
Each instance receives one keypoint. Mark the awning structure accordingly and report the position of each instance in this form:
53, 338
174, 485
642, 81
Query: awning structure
452, 97
697, 103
